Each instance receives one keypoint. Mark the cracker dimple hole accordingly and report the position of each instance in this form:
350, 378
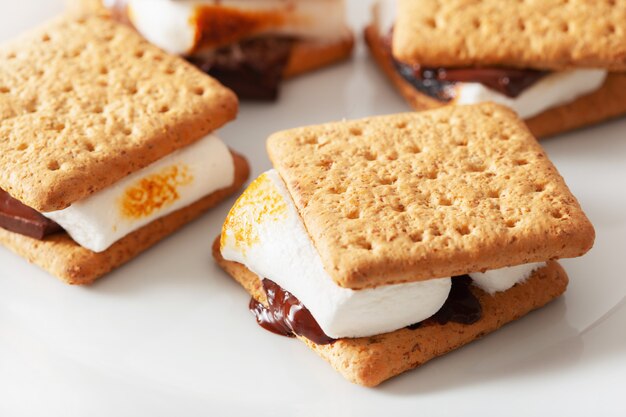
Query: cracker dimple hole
108, 38
431, 23
140, 53
387, 180
392, 156
310, 140
461, 143
326, 164
445, 201
476, 23
133, 90
414, 149
22, 146
539, 188
431, 175
68, 88
369, 155
127, 131
511, 223
98, 109
464, 230
89, 147
434, 231
475, 167
45, 38
11, 55
521, 25
398, 207
53, 166
353, 214
164, 109
493, 194
564, 27
4, 90
104, 70
198, 91
416, 237
337, 190
557, 214
401, 125
103, 83
521, 162
58, 127
170, 70
355, 131
610, 29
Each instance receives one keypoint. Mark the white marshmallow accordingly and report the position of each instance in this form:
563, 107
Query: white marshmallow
169, 24
550, 91
498, 280
283, 252
189, 174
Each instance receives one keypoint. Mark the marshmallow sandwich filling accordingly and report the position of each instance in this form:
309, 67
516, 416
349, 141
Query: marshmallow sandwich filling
265, 233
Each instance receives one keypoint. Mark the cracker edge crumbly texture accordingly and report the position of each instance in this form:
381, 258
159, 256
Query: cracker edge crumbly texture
62, 257
351, 267
368, 361
609, 101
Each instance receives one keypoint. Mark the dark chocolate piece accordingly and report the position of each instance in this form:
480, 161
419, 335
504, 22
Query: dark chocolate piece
285, 315
19, 218
462, 306
253, 68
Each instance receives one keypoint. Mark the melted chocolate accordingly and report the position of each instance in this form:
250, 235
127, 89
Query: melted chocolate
462, 306
253, 68
285, 315
439, 83
19, 218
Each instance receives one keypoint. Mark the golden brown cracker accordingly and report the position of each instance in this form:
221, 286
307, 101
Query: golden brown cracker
73, 264
308, 56
542, 34
439, 193
369, 361
85, 101
605, 103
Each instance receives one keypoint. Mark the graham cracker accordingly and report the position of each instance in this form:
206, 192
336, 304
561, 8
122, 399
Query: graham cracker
73, 264
542, 34
438, 193
369, 361
307, 56
85, 101
605, 103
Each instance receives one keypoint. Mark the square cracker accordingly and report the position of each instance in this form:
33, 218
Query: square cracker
85, 101
371, 360
62, 257
440, 193
605, 103
546, 34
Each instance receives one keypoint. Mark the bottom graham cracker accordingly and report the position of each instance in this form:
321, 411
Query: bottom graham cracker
368, 361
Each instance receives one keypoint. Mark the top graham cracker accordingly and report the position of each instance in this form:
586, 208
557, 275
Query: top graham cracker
540, 34
85, 102
440, 193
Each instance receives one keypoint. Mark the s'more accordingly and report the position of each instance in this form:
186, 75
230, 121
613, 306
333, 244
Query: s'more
560, 65
107, 146
250, 46
385, 242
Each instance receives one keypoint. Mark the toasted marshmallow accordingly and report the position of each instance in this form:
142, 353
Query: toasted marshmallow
550, 91
264, 232
174, 25
498, 280
171, 183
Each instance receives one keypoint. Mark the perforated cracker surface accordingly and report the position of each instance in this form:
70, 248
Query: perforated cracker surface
423, 195
85, 101
552, 34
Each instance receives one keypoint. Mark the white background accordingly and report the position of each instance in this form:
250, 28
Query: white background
170, 334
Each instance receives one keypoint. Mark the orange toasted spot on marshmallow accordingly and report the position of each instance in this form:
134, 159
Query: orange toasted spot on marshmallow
154, 192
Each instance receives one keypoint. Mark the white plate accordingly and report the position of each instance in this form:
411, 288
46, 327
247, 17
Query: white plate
170, 334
